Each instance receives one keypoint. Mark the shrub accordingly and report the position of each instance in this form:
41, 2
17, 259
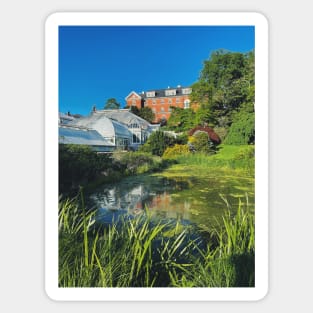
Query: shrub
157, 143
136, 162
79, 164
242, 131
201, 142
176, 150
221, 132
212, 136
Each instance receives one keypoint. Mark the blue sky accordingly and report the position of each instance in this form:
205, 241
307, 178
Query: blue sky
101, 62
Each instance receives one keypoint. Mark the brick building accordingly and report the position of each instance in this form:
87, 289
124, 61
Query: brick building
161, 100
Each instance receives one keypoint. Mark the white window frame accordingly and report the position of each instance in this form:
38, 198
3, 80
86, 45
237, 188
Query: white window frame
186, 104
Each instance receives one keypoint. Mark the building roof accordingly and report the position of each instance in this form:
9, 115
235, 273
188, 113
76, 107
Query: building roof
161, 92
65, 117
124, 116
104, 125
82, 136
131, 93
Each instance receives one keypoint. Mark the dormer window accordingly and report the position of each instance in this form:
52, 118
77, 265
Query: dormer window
150, 94
186, 91
170, 92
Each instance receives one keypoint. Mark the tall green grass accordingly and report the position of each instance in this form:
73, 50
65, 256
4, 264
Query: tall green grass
240, 158
141, 252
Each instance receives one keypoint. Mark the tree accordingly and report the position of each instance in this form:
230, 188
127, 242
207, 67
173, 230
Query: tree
226, 84
111, 104
204, 116
157, 143
147, 114
200, 142
181, 119
242, 130
134, 110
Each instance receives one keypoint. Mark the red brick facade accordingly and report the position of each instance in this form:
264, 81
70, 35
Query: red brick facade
161, 101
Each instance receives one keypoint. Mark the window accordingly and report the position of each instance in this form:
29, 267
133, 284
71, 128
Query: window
170, 92
136, 138
186, 91
177, 100
134, 102
162, 100
162, 109
153, 101
150, 94
169, 100
186, 104
122, 142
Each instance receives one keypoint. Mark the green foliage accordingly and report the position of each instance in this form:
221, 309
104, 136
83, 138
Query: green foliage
78, 164
134, 110
181, 119
135, 252
200, 142
111, 104
242, 131
133, 163
226, 84
181, 139
204, 116
146, 113
176, 150
228, 157
157, 143
221, 132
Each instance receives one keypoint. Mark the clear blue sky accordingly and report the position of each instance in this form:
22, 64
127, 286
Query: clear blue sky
101, 62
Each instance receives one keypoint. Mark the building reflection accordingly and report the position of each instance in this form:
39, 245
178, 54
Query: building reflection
134, 200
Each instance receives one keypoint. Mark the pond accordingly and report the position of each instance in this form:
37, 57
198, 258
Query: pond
199, 200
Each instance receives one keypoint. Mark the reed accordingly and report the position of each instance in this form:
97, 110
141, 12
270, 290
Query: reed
138, 252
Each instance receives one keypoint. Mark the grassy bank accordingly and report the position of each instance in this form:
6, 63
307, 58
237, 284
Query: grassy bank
229, 160
80, 166
240, 158
139, 252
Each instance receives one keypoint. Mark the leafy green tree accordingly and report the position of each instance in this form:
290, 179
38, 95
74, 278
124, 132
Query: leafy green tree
226, 84
205, 116
133, 109
79, 164
181, 119
111, 104
157, 143
200, 142
147, 114
242, 130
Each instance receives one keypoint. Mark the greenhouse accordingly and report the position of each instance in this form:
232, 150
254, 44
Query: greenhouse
139, 128
112, 131
84, 136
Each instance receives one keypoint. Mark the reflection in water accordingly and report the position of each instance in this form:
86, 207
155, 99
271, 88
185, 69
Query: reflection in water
190, 199
133, 197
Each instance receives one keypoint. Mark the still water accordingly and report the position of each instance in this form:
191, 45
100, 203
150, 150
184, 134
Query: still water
194, 200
